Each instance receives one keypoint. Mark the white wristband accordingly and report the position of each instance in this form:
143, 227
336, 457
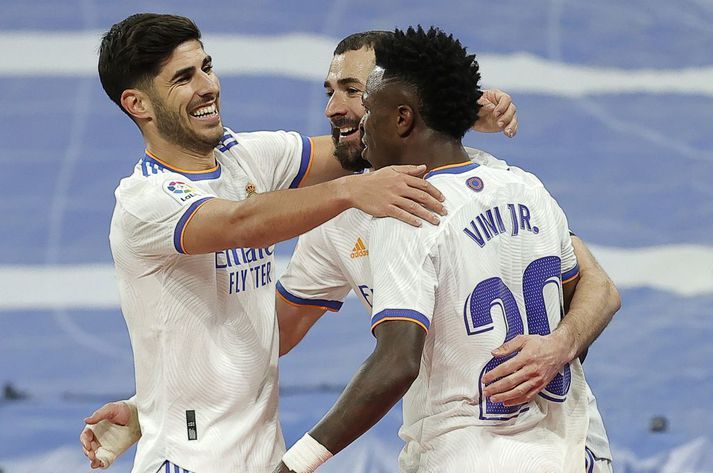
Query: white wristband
306, 455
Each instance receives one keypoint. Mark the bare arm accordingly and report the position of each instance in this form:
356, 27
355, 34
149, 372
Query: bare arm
268, 218
294, 322
381, 381
592, 303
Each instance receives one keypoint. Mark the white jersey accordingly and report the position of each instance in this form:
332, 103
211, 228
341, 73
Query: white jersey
334, 258
202, 327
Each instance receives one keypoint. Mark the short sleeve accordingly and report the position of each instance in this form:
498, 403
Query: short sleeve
570, 268
155, 211
313, 277
404, 273
281, 159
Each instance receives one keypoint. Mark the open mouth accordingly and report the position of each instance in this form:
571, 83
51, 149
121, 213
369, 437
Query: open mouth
209, 111
345, 132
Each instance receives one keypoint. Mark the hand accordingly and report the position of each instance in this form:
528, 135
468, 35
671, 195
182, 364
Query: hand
282, 468
399, 192
497, 113
519, 379
111, 430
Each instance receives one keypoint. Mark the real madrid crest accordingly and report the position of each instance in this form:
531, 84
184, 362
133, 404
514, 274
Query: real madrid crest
250, 189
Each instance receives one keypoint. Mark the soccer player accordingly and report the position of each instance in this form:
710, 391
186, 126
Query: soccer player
443, 298
353, 59
332, 259
192, 238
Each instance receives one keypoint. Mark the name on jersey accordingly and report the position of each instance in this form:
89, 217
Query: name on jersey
246, 267
489, 224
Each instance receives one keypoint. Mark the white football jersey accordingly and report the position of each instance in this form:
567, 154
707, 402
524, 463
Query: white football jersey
334, 258
202, 327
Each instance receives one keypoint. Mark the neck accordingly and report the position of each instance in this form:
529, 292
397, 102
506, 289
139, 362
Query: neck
434, 150
180, 157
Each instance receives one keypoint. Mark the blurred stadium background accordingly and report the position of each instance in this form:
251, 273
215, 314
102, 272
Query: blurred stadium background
616, 108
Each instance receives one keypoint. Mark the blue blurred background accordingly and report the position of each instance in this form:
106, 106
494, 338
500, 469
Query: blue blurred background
615, 102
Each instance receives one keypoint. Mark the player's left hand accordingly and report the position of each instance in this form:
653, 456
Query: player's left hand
517, 381
282, 468
497, 113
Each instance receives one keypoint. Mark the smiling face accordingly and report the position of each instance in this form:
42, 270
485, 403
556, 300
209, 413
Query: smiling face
184, 98
344, 85
382, 102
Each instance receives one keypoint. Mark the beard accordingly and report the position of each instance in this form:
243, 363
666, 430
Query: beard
349, 153
171, 126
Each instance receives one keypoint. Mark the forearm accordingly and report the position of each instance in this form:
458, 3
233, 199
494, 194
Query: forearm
593, 304
375, 389
264, 219
281, 215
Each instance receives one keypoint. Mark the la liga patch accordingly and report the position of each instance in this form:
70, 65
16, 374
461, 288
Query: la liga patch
181, 191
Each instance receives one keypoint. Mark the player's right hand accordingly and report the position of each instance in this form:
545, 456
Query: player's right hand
109, 432
399, 192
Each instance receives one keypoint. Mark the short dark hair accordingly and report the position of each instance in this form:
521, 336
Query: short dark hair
134, 50
356, 41
444, 75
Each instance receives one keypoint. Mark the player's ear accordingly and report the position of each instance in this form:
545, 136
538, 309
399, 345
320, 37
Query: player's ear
405, 120
136, 103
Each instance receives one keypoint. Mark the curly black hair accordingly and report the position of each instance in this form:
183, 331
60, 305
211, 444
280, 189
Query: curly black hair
443, 73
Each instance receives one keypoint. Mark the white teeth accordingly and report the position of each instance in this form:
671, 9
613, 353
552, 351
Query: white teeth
209, 110
346, 131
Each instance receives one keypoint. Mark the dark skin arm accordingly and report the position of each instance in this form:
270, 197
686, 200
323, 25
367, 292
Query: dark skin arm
381, 381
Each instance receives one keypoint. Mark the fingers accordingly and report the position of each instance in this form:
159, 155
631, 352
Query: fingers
425, 194
86, 438
485, 103
504, 110
502, 100
503, 377
508, 121
89, 447
435, 193
510, 346
105, 412
114, 412
520, 394
411, 170
406, 217
94, 418
424, 186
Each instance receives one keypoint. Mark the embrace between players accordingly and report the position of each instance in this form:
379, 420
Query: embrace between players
466, 270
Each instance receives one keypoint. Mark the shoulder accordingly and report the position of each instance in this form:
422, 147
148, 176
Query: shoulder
145, 197
484, 158
253, 138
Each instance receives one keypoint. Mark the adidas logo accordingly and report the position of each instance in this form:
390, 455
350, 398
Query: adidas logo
359, 249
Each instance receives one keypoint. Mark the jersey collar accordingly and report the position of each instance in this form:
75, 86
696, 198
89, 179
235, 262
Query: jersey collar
151, 163
451, 169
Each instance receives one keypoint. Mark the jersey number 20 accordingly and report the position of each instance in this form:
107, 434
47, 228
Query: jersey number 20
492, 293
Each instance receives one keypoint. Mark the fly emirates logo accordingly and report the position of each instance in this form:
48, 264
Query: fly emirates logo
246, 268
